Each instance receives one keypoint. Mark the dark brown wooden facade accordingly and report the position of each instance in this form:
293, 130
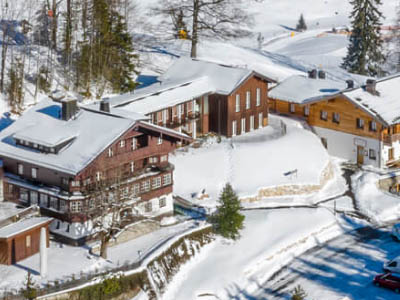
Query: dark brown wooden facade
136, 159
216, 113
22, 245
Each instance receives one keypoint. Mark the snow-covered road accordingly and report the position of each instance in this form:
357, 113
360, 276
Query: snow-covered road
343, 267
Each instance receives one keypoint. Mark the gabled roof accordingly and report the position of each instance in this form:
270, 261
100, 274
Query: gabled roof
93, 131
185, 80
301, 89
385, 105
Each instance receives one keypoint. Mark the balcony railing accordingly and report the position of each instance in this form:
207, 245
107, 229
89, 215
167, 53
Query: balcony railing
390, 139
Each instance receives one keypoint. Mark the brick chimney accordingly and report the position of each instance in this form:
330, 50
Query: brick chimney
370, 86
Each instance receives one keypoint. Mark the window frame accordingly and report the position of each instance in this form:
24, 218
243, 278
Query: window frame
373, 152
248, 99
237, 103
34, 172
360, 123
258, 97
336, 117
323, 115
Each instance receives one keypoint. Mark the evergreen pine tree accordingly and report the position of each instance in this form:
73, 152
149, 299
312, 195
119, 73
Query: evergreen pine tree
301, 25
365, 53
228, 220
298, 293
29, 292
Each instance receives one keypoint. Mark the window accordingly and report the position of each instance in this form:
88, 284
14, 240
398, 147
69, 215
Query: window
258, 97
251, 123
292, 108
65, 181
179, 111
34, 172
153, 160
132, 166
20, 169
28, 241
234, 128
167, 179
54, 203
164, 158
372, 154
34, 198
336, 118
372, 126
44, 202
260, 120
156, 182
162, 202
160, 140
391, 154
134, 144
23, 195
148, 207
98, 176
324, 115
145, 186
76, 206
360, 123
237, 107
63, 205
248, 99
86, 181
75, 183
243, 127
306, 111
92, 204
110, 152
122, 143
136, 189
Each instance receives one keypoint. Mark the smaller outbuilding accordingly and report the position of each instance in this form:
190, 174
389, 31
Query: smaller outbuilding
21, 239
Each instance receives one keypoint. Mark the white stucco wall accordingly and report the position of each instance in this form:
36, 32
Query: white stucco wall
156, 210
385, 152
344, 145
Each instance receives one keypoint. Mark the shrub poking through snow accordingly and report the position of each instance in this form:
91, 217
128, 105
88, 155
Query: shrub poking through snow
298, 293
228, 220
29, 291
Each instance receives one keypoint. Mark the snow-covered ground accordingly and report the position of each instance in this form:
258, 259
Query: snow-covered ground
250, 162
378, 205
269, 240
65, 261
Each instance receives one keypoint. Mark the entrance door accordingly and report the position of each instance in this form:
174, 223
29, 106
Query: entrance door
360, 155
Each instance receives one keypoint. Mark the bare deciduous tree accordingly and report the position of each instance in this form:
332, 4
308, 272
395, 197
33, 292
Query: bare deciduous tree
208, 18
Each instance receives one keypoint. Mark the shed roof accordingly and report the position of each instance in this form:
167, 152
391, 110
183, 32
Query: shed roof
22, 226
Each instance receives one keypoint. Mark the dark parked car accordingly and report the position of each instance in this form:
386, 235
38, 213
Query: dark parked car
388, 280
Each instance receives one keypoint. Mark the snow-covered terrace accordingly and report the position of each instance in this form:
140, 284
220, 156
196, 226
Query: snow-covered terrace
301, 89
385, 104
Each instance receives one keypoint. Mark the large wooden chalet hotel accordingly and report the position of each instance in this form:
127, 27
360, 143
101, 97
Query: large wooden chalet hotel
57, 154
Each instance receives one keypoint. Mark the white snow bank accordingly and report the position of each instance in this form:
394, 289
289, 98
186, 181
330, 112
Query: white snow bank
380, 206
269, 240
250, 162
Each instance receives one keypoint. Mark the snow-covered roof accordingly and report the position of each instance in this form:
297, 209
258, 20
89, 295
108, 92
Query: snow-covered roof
40, 134
171, 97
94, 132
385, 105
185, 80
301, 89
21, 226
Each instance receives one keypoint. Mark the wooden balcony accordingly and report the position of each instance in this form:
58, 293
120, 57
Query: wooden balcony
388, 140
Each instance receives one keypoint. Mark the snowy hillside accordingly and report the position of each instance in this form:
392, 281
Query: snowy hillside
283, 53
